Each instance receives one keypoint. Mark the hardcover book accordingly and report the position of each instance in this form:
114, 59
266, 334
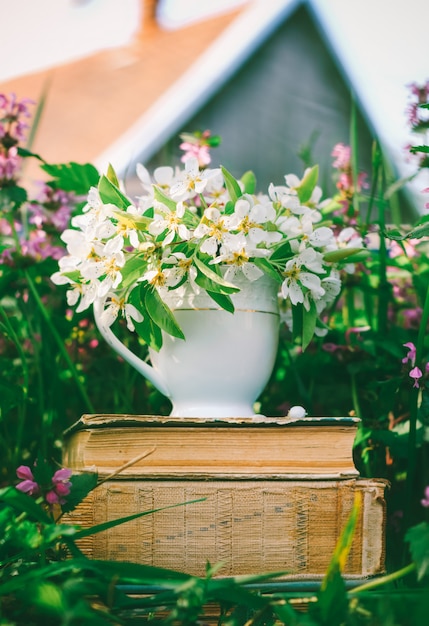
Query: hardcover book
241, 447
250, 526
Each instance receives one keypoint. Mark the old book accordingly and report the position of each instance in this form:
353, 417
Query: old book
212, 448
250, 526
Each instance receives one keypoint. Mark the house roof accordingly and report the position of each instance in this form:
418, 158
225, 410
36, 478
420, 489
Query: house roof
121, 105
94, 100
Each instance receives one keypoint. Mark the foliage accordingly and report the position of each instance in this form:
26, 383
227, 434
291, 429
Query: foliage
38, 586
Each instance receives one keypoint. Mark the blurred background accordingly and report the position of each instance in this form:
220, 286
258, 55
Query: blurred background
274, 78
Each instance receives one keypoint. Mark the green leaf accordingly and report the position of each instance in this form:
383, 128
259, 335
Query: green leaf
208, 285
232, 185
47, 597
344, 543
282, 252
98, 528
81, 486
415, 149
418, 538
222, 300
309, 319
249, 182
73, 176
417, 233
24, 503
23, 152
111, 175
147, 329
344, 253
110, 194
161, 197
215, 278
135, 573
332, 602
297, 320
161, 314
308, 184
268, 269
13, 195
133, 270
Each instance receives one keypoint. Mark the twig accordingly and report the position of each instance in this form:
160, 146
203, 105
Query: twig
138, 458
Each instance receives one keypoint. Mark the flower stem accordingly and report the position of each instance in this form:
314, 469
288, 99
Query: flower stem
378, 582
25, 386
412, 435
59, 342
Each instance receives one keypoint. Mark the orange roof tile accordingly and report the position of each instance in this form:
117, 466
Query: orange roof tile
91, 102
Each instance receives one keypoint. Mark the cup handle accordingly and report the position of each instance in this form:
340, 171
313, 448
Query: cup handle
143, 368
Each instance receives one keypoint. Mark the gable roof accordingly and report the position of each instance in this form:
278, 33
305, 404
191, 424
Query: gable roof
121, 105
93, 101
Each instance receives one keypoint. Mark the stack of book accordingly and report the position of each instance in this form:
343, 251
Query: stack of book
263, 494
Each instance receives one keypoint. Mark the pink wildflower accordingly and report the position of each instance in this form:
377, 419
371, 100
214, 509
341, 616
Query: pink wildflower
198, 146
416, 374
202, 153
412, 317
331, 347
61, 487
10, 164
395, 250
411, 355
416, 115
12, 128
425, 501
28, 484
343, 156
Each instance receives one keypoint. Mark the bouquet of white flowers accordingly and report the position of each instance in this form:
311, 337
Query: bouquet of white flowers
201, 227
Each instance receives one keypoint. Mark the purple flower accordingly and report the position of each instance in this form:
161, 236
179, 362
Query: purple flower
416, 373
411, 355
55, 493
28, 484
61, 486
342, 155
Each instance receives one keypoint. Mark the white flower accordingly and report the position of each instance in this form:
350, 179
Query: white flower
253, 217
78, 245
118, 305
194, 181
161, 278
108, 268
237, 260
312, 260
349, 238
85, 292
215, 193
216, 227
123, 228
182, 267
286, 198
296, 279
94, 213
332, 287
171, 221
